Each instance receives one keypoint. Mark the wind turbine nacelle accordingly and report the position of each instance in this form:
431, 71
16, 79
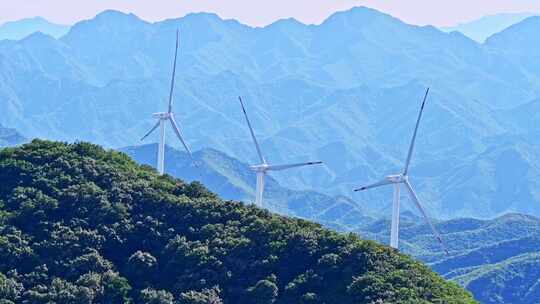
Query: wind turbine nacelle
398, 178
258, 168
161, 115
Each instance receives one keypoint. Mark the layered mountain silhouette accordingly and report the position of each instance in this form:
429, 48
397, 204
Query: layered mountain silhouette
15, 30
482, 28
497, 260
345, 92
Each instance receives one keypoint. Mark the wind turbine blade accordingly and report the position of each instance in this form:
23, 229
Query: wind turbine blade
283, 167
411, 147
251, 131
374, 185
173, 74
179, 135
416, 201
151, 130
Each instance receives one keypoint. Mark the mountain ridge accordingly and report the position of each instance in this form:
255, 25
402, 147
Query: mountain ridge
495, 259
344, 94
19, 29
486, 26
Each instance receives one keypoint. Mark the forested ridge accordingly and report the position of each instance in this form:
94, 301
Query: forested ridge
79, 224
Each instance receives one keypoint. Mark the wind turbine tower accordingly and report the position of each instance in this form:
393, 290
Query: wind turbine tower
403, 178
162, 118
262, 168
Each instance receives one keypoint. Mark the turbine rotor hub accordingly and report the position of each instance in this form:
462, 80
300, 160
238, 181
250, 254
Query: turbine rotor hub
398, 178
162, 115
259, 168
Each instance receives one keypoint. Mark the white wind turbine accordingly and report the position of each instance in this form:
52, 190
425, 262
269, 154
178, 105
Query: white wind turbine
167, 116
262, 168
403, 178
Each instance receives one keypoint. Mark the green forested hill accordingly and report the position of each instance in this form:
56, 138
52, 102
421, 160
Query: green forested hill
82, 225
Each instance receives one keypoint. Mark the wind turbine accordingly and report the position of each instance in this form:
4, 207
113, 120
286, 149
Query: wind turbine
162, 118
264, 167
403, 178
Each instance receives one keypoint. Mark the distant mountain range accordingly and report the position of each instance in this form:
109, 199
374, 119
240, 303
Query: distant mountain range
345, 92
497, 259
10, 137
480, 29
19, 29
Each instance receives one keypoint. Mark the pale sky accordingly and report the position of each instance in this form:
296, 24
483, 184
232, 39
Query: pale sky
260, 13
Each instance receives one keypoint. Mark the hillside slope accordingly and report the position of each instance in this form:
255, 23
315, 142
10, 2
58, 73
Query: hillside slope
232, 179
79, 225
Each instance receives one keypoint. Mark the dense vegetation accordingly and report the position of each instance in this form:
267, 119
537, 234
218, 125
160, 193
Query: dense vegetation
79, 224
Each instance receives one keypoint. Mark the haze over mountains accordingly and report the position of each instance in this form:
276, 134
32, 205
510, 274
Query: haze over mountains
480, 29
345, 92
19, 29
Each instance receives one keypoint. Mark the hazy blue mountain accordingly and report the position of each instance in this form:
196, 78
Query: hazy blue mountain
497, 260
346, 92
527, 115
233, 180
19, 29
518, 43
480, 29
10, 137
514, 280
